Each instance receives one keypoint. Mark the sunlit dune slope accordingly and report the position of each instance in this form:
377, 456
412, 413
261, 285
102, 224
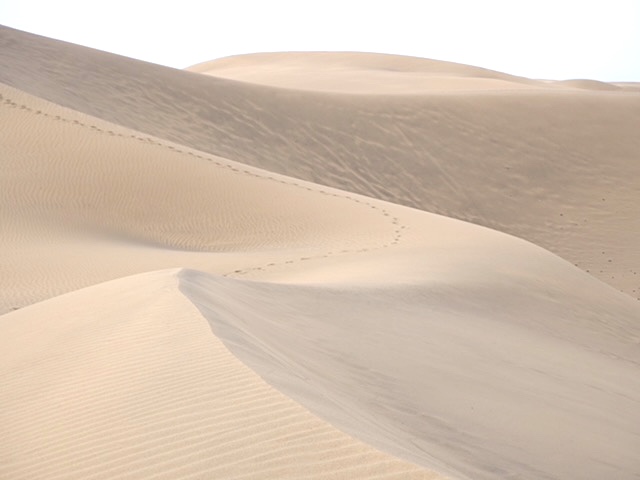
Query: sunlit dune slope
125, 380
557, 166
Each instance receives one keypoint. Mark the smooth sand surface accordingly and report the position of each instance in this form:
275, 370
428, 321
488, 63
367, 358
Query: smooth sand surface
360, 73
257, 325
379, 74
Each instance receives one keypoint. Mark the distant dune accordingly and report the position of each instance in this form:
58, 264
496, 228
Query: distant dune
262, 272
360, 73
591, 85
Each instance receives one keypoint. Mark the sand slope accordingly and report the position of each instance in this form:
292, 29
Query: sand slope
556, 166
125, 380
476, 379
292, 312
74, 181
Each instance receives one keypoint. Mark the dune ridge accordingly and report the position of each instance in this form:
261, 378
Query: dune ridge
133, 385
158, 330
562, 161
186, 185
258, 325
113, 192
443, 400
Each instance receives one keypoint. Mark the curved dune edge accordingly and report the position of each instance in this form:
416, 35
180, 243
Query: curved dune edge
557, 167
124, 380
491, 366
74, 185
113, 184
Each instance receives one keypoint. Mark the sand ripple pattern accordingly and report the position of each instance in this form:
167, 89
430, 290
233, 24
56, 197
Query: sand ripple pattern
153, 395
207, 231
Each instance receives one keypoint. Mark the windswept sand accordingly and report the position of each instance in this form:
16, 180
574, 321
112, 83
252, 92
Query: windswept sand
257, 325
557, 166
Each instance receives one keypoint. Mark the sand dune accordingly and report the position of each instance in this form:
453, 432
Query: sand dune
379, 74
73, 180
562, 162
443, 376
125, 380
360, 73
278, 328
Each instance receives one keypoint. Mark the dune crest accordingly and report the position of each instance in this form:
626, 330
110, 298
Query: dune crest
449, 374
360, 73
156, 200
133, 385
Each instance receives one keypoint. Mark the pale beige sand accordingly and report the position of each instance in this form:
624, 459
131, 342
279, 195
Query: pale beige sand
125, 380
556, 166
454, 347
378, 74
74, 181
360, 73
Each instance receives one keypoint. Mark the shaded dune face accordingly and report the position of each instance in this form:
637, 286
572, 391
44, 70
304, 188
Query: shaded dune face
556, 166
254, 324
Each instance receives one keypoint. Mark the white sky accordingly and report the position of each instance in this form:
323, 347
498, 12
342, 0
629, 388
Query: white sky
555, 39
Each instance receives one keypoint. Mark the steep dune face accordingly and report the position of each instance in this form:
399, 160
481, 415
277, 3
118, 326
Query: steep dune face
555, 166
476, 379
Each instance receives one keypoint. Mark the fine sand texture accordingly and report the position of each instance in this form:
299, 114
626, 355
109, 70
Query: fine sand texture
180, 300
